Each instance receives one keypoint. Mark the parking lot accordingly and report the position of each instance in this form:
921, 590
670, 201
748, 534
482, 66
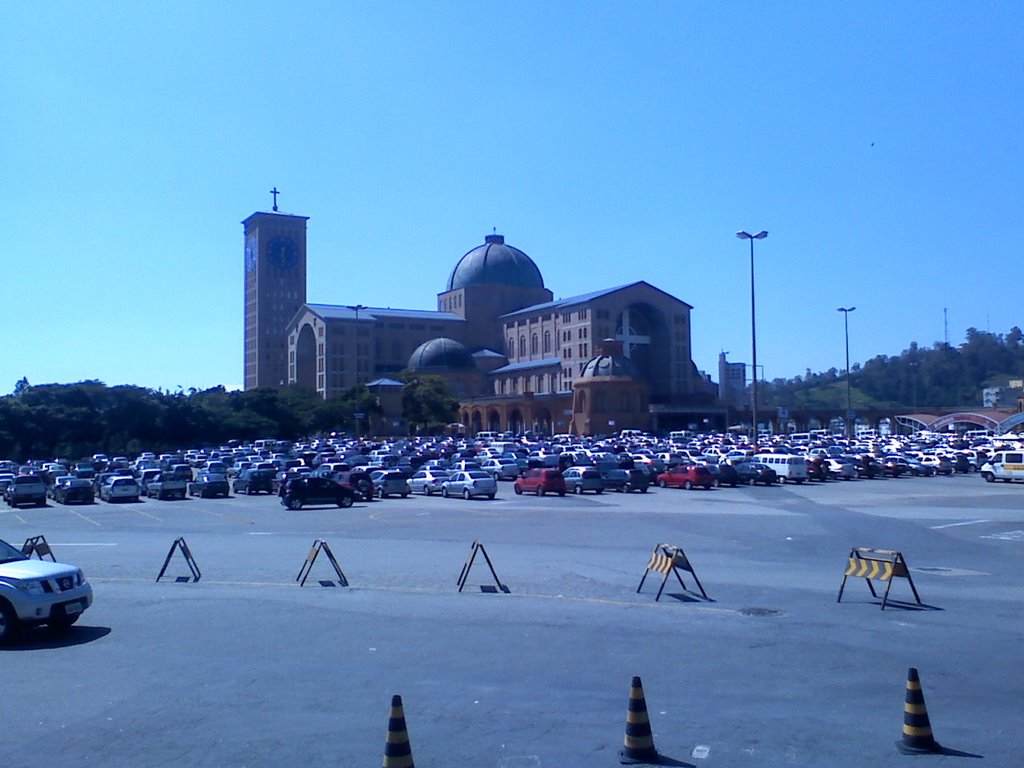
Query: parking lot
246, 668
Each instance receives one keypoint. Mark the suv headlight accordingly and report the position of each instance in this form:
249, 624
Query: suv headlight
30, 587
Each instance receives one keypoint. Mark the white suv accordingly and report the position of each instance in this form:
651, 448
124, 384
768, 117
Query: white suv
120, 488
39, 592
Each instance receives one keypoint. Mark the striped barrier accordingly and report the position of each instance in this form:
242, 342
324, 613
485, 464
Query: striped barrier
667, 560
877, 565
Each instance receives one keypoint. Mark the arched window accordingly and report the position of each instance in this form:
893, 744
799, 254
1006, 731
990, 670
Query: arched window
533, 345
547, 342
511, 347
522, 346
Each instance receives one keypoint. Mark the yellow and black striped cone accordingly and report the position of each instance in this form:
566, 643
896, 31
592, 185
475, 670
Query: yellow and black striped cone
638, 744
397, 752
917, 730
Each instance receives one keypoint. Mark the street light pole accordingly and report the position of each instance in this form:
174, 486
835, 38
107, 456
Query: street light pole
753, 328
849, 401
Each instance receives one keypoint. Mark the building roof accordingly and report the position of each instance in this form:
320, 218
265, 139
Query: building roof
487, 353
495, 263
441, 353
584, 298
385, 382
530, 364
349, 312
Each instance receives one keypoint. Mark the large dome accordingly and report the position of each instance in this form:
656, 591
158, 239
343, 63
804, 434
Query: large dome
441, 353
495, 263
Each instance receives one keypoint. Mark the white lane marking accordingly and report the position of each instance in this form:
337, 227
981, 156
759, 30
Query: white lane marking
700, 752
1006, 536
147, 514
954, 525
88, 519
84, 544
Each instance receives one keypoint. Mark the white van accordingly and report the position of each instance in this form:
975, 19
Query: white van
1004, 465
789, 468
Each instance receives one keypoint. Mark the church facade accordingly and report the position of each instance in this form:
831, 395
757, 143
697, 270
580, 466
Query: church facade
510, 351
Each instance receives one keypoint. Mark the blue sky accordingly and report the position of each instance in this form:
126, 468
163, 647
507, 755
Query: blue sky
880, 144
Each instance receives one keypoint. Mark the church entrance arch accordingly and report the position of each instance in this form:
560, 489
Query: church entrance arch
493, 421
642, 328
477, 424
542, 421
305, 358
515, 421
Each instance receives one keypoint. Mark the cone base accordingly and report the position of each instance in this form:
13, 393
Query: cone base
643, 758
906, 749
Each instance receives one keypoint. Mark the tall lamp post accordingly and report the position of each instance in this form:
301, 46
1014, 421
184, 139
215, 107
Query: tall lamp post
753, 327
849, 401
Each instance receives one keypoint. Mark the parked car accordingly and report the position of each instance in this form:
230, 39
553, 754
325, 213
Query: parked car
894, 466
502, 469
303, 491
209, 485
723, 474
119, 488
756, 473
962, 464
540, 480
427, 481
582, 479
39, 592
252, 481
26, 489
817, 468
475, 482
387, 482
920, 469
74, 490
686, 477
166, 486
625, 480
841, 470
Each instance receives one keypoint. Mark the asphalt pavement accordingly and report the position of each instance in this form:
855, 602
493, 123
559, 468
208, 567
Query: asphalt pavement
247, 668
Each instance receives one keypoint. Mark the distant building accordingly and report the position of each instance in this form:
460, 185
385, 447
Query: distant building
732, 382
509, 349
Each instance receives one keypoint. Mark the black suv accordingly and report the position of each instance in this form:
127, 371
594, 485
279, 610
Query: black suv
299, 491
250, 481
625, 480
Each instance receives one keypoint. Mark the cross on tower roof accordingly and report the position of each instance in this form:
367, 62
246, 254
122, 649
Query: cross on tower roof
275, 193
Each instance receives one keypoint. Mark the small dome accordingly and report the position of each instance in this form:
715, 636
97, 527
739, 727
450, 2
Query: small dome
495, 263
609, 362
441, 353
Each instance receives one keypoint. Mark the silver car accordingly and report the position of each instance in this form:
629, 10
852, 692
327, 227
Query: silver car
475, 482
39, 592
427, 481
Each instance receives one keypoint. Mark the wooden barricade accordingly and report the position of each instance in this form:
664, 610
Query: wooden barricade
667, 560
478, 546
319, 545
179, 544
879, 565
37, 545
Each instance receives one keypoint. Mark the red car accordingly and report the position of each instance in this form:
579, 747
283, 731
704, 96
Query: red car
686, 477
540, 481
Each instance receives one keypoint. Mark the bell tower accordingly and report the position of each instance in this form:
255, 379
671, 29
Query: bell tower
275, 288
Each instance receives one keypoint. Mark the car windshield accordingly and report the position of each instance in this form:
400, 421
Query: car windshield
9, 554
481, 475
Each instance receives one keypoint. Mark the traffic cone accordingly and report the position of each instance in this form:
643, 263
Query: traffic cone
917, 730
638, 744
397, 752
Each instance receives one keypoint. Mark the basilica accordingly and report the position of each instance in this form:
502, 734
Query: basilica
517, 358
